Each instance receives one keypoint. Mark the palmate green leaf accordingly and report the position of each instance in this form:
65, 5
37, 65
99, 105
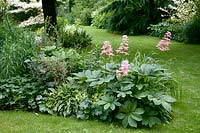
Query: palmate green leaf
139, 111
132, 122
130, 114
166, 106
168, 98
108, 102
121, 94
136, 117
117, 103
151, 121
79, 75
93, 84
142, 95
125, 122
112, 106
101, 102
140, 86
107, 105
120, 116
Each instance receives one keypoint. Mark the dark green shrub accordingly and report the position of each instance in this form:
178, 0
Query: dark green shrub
192, 31
192, 28
133, 16
75, 37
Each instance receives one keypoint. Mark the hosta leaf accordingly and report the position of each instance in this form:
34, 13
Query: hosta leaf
132, 122
139, 111
120, 116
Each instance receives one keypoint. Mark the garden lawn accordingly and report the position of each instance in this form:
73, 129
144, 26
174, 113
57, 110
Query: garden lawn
183, 60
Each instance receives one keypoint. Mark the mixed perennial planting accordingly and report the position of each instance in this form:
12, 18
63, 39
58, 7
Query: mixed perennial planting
135, 93
105, 86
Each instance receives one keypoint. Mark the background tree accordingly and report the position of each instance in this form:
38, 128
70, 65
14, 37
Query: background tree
134, 16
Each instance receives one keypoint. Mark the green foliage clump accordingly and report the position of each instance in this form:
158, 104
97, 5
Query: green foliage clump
16, 46
23, 92
161, 28
141, 98
54, 64
64, 99
75, 37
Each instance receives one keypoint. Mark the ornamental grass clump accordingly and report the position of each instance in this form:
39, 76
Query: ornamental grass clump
133, 93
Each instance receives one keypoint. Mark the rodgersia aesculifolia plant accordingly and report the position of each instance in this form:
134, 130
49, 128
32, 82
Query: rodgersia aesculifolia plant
133, 93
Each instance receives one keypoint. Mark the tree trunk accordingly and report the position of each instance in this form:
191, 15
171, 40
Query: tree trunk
49, 11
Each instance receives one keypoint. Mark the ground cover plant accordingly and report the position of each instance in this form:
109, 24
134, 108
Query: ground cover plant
185, 108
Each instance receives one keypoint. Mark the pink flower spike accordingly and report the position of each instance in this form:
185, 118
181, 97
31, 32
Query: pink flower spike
163, 45
124, 38
123, 46
106, 49
123, 70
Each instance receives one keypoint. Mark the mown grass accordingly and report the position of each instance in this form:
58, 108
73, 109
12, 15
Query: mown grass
183, 60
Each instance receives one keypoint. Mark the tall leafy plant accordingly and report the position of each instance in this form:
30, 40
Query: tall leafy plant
17, 45
134, 93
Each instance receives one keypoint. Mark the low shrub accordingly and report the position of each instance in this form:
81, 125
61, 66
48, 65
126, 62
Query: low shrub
75, 37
